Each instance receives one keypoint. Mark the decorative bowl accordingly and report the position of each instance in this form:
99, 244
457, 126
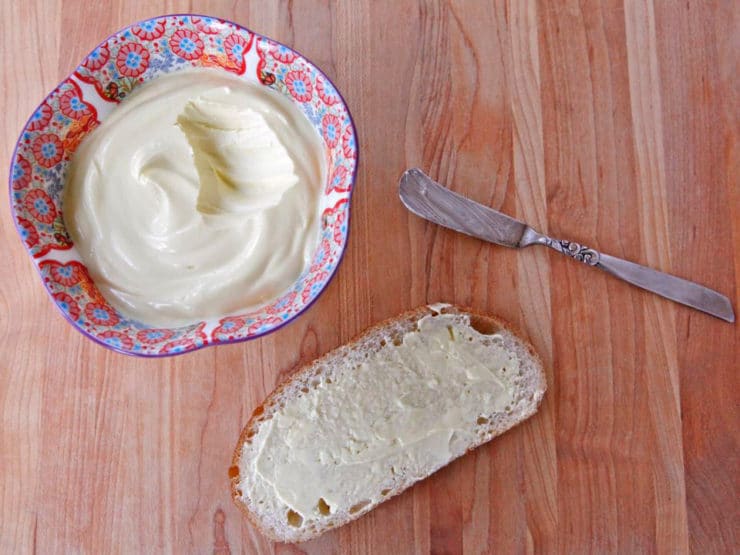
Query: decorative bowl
78, 104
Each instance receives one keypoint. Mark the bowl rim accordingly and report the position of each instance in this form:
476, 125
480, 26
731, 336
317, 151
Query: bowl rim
208, 342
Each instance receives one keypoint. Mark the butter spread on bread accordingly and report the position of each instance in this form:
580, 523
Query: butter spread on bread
369, 419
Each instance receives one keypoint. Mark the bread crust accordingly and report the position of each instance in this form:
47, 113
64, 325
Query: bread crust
410, 316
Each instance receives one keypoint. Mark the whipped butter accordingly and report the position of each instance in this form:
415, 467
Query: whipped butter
407, 409
197, 197
242, 164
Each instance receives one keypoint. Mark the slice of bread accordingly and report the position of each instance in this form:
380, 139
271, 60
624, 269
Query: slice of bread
370, 418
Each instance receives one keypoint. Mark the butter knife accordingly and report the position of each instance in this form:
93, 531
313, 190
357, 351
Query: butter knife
431, 201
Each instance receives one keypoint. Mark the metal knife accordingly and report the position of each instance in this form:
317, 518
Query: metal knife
430, 200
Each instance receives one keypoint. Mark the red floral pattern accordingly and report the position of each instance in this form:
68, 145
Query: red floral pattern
68, 305
265, 323
200, 334
283, 54
349, 145
207, 25
40, 118
236, 47
40, 206
153, 336
97, 58
331, 129
28, 232
335, 218
149, 30
228, 328
67, 274
72, 105
48, 150
101, 314
339, 229
132, 59
178, 346
313, 286
186, 44
21, 173
281, 304
327, 94
117, 340
338, 180
299, 85
322, 257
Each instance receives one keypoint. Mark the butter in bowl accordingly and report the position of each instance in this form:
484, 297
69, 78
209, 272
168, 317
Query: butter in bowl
187, 185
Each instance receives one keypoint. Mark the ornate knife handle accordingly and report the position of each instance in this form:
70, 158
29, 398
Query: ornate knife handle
672, 287
575, 250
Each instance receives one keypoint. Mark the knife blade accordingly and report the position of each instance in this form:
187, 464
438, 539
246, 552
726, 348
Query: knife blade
430, 200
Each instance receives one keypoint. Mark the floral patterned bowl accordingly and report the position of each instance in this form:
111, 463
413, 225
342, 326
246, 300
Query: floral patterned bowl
126, 59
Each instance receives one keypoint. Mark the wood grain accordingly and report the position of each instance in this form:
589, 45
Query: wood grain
610, 122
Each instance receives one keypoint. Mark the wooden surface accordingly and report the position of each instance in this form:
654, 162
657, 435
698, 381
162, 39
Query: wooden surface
611, 123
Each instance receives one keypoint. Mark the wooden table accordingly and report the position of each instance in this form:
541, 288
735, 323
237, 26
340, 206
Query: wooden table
613, 123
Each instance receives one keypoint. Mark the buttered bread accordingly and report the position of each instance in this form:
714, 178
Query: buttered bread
369, 419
